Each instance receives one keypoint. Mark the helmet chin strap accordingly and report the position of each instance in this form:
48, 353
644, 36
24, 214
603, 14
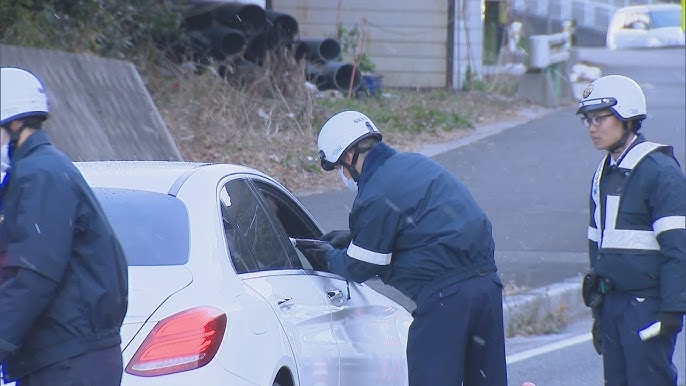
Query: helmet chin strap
351, 167
14, 135
622, 141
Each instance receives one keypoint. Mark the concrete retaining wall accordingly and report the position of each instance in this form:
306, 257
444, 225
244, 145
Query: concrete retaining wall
99, 108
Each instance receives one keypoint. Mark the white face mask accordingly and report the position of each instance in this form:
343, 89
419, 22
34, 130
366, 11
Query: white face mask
349, 182
4, 158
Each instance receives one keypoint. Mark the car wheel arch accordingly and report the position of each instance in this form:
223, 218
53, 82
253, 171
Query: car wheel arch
284, 377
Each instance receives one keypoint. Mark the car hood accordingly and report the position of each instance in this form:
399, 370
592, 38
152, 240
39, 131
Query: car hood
149, 287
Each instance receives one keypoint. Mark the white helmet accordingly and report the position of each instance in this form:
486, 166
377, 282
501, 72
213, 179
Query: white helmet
621, 94
21, 95
340, 133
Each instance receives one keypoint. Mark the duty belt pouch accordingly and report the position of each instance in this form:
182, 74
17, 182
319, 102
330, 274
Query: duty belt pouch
591, 291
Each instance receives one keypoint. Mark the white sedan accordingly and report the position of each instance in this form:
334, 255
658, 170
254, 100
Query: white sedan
218, 295
646, 26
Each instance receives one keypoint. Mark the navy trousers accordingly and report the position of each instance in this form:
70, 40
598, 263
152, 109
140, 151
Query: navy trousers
627, 360
457, 336
96, 368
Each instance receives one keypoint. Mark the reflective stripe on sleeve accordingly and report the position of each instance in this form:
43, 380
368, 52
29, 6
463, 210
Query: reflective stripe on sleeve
629, 239
669, 223
368, 256
593, 234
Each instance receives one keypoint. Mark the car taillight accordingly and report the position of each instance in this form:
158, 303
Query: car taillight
184, 341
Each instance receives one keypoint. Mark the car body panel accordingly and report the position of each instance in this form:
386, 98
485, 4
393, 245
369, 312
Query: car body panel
645, 26
305, 313
361, 327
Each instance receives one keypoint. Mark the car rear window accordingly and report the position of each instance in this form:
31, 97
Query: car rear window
152, 227
666, 18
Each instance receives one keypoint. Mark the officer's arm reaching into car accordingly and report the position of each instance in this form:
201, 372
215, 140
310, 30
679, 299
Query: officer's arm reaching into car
416, 227
315, 250
338, 238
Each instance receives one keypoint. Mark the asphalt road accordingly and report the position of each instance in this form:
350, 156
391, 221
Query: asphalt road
566, 359
533, 178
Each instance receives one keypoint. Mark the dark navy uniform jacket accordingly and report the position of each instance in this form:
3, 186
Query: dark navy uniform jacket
63, 288
637, 232
415, 225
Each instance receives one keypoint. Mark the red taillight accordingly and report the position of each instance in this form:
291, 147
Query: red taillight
183, 341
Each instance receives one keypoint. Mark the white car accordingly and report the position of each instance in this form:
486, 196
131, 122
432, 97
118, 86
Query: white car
645, 26
218, 295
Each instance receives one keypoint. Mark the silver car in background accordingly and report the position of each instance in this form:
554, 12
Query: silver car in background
218, 294
646, 26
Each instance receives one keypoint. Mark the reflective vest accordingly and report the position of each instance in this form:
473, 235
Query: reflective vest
603, 230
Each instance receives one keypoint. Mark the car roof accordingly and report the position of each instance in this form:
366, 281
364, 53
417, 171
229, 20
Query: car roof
649, 7
155, 176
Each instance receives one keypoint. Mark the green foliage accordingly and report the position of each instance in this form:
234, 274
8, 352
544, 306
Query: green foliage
124, 29
349, 40
407, 112
499, 84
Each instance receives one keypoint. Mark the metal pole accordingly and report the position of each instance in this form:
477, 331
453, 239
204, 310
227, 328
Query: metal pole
549, 26
450, 54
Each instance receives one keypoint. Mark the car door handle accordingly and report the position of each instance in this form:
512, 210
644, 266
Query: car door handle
336, 297
285, 302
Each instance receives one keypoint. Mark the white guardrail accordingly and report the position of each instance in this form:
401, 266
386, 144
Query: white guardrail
546, 50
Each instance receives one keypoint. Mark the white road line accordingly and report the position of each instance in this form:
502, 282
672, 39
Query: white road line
524, 355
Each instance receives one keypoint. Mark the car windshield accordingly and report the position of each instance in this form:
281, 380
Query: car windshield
152, 227
661, 19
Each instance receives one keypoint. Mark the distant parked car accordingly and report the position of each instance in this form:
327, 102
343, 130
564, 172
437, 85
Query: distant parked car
220, 296
645, 26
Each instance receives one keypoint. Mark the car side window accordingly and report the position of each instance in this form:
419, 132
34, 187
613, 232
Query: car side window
636, 21
291, 221
252, 240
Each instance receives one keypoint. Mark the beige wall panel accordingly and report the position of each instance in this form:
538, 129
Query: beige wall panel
405, 39
414, 80
409, 50
393, 21
392, 63
359, 5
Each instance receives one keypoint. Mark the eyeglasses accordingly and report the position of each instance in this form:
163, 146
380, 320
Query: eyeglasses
595, 121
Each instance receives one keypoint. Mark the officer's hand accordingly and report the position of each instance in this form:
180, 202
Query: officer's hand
672, 322
597, 333
315, 251
339, 239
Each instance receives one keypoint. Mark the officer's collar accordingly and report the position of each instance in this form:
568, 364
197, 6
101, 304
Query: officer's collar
37, 138
375, 158
631, 144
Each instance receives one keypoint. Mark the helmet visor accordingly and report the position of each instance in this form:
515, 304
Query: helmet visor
326, 165
586, 106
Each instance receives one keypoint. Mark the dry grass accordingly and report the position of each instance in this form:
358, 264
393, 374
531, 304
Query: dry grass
537, 319
266, 118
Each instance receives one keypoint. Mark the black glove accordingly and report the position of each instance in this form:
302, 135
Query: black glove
597, 333
315, 252
339, 239
672, 322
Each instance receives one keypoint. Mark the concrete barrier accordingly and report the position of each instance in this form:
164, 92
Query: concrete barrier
546, 81
99, 108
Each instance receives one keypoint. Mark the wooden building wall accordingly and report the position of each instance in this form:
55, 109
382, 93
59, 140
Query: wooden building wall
405, 39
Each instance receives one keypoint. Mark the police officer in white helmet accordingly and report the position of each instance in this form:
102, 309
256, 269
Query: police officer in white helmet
416, 226
63, 275
637, 239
